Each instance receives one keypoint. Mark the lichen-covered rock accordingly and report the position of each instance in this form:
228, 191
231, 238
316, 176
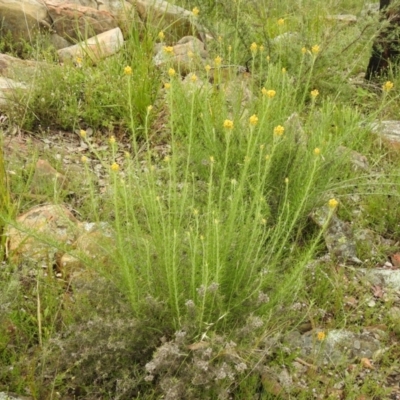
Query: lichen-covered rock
174, 20
72, 21
95, 48
23, 18
334, 347
38, 234
187, 55
338, 235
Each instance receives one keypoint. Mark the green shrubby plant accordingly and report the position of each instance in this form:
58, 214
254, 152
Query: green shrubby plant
213, 240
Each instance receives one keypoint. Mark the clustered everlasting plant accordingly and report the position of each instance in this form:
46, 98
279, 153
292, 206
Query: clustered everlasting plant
212, 238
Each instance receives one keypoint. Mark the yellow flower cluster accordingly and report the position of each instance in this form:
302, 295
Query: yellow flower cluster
171, 72
114, 167
315, 49
195, 11
217, 61
314, 93
228, 124
128, 70
278, 130
253, 47
253, 120
269, 93
333, 203
168, 49
387, 86
281, 22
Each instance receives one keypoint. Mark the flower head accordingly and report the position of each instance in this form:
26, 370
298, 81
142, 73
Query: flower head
314, 93
161, 35
149, 108
321, 335
207, 68
304, 50
387, 86
84, 159
278, 130
171, 72
269, 93
228, 124
317, 151
254, 47
114, 167
82, 133
167, 85
283, 70
315, 49
128, 70
111, 140
253, 120
217, 61
281, 22
195, 11
333, 203
193, 77
168, 49
261, 48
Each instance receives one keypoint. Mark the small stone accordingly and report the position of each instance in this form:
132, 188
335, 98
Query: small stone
371, 303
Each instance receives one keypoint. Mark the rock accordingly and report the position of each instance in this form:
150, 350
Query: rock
385, 277
389, 131
188, 54
124, 12
344, 18
11, 396
370, 9
51, 236
47, 178
23, 18
21, 70
8, 89
285, 37
85, 3
59, 42
93, 243
39, 233
95, 48
173, 20
334, 347
75, 22
359, 161
338, 235
115, 7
